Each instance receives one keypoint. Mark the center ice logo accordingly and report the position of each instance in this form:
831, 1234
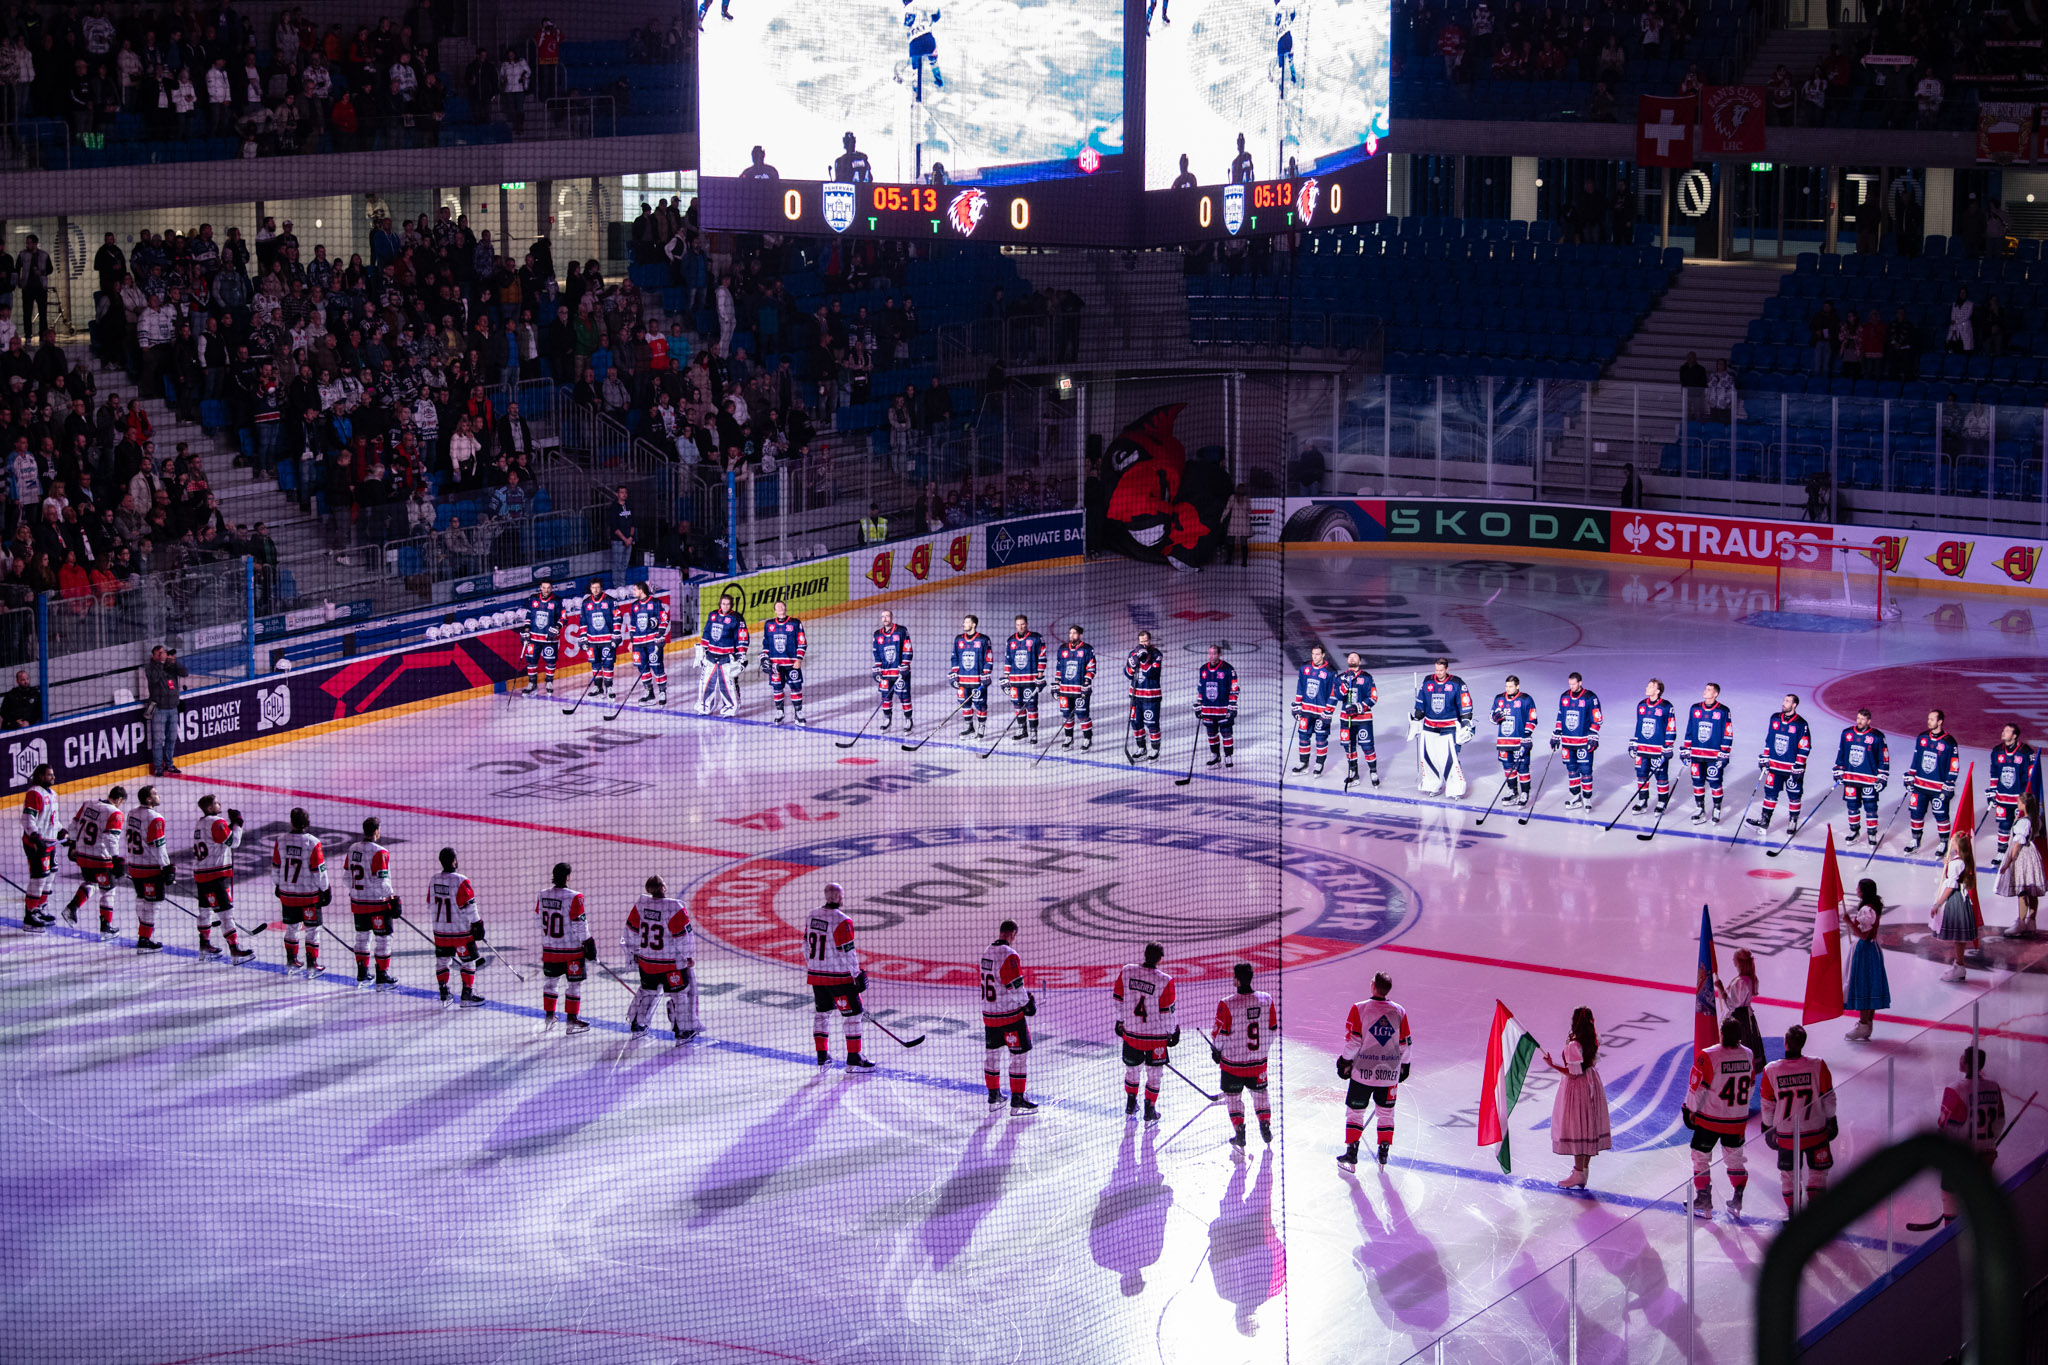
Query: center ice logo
928, 899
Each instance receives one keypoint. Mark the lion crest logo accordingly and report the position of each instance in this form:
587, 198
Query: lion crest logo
1306, 200
965, 212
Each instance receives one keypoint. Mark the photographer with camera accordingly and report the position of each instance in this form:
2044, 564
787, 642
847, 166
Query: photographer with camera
160, 709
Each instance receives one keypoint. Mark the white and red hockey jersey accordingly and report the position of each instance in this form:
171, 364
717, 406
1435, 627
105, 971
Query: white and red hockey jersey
214, 842
1003, 993
149, 839
96, 833
659, 934
562, 929
39, 815
298, 869
1973, 1113
1246, 1025
1376, 1042
830, 959
369, 874
1798, 1097
450, 902
1145, 1004
1718, 1098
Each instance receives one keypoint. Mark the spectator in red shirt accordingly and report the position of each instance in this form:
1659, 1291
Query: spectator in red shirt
1450, 45
547, 60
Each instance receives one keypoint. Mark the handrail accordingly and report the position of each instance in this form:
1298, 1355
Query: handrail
1992, 1252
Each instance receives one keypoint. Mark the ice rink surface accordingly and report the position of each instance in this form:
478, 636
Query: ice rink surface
209, 1163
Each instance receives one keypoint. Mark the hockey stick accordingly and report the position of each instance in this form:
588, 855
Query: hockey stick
913, 748
1793, 833
577, 705
1879, 838
905, 1042
1656, 824
1131, 719
1001, 735
1194, 748
1498, 793
1537, 790
1641, 787
1980, 820
616, 977
1191, 1085
848, 744
626, 693
1743, 823
1936, 1222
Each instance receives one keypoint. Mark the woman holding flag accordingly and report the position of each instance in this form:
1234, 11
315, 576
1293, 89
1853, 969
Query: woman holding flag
1954, 918
1579, 1125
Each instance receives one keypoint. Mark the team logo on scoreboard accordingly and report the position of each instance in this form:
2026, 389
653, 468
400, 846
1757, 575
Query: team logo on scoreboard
1212, 898
838, 205
964, 213
1306, 199
1233, 208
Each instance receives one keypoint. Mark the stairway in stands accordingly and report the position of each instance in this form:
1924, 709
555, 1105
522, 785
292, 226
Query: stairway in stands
301, 542
1133, 305
1796, 49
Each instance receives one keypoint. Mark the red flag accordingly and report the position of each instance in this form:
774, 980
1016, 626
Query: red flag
1664, 125
1824, 958
1732, 120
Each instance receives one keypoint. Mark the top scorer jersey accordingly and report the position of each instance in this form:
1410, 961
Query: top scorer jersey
1376, 1042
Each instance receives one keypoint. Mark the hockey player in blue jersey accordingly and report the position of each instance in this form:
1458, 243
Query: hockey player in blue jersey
1216, 706
1442, 723
645, 624
1514, 722
540, 633
1651, 743
1577, 734
704, 8
1141, 670
1163, 7
1357, 694
2014, 772
892, 667
1283, 44
597, 617
1709, 739
1024, 676
782, 659
1315, 699
1788, 740
722, 655
920, 25
1863, 764
973, 663
1074, 685
1931, 777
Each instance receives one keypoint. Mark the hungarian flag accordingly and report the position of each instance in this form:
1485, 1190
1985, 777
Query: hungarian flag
1824, 958
1509, 1054
1706, 1018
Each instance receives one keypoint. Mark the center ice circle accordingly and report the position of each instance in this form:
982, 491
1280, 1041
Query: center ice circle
926, 901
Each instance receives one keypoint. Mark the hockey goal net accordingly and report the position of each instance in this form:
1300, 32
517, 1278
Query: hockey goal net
1832, 578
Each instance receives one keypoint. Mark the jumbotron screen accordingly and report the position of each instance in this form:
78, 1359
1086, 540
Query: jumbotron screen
1259, 114
994, 119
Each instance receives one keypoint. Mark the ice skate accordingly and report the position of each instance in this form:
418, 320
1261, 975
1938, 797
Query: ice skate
1699, 815
1130, 1106
469, 1000
1382, 1152
1716, 816
1735, 1202
148, 945
888, 719
1087, 742
575, 1026
1237, 1144
384, 981
1348, 1158
1761, 821
237, 956
1151, 1112
1302, 766
856, 1062
1020, 1105
1214, 759
1266, 1131
1703, 1204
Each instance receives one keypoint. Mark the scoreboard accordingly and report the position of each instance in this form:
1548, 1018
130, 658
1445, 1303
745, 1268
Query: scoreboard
1355, 194
1044, 212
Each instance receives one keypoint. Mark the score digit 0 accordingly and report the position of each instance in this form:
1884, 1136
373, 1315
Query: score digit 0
1204, 214
793, 205
1020, 213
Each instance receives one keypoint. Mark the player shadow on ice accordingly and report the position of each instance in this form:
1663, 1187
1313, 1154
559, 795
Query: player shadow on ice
1247, 1262
1404, 1276
1128, 1230
970, 1192
556, 1114
746, 1168
449, 1102
278, 1087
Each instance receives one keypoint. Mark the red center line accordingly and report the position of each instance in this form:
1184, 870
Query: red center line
1640, 983
461, 815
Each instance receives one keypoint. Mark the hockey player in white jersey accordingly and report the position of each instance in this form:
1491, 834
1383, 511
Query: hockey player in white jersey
664, 948
149, 865
832, 970
1799, 1115
214, 842
920, 25
1247, 1025
565, 946
96, 851
40, 831
376, 905
1007, 1006
298, 873
1145, 1003
1375, 1062
1717, 1111
458, 930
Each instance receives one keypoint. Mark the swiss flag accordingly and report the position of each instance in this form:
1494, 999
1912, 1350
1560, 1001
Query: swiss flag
1664, 128
1824, 957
